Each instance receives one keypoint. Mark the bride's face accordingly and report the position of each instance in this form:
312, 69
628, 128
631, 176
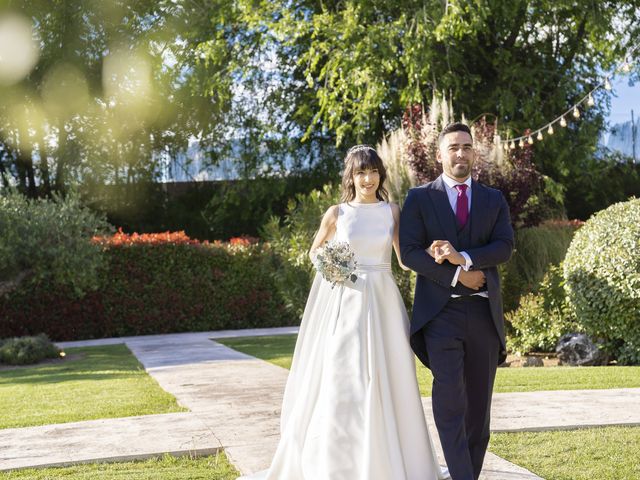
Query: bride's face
366, 182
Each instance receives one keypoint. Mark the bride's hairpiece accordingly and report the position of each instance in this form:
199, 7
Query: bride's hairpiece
359, 148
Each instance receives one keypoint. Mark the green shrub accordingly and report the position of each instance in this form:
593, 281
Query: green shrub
242, 207
156, 283
27, 350
48, 241
536, 249
292, 241
602, 274
606, 178
542, 317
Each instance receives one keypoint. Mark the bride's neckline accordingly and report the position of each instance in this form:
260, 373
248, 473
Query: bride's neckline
365, 205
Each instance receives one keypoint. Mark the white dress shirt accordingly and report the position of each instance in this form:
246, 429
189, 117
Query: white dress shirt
452, 193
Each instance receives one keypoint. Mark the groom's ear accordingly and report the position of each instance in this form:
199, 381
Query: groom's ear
438, 155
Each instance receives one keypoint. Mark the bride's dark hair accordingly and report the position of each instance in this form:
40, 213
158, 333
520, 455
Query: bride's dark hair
362, 157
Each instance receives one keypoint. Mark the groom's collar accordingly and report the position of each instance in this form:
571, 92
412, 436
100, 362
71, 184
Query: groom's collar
451, 183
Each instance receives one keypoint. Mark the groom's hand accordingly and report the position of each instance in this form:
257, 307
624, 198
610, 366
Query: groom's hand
473, 279
443, 250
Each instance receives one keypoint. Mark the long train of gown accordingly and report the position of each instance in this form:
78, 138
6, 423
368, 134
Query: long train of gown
351, 407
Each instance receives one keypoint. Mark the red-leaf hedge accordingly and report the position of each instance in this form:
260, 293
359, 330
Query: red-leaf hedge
156, 283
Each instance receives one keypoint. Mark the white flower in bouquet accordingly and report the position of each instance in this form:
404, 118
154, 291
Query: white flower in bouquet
336, 262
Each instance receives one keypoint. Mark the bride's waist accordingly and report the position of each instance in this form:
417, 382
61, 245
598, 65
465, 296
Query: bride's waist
373, 267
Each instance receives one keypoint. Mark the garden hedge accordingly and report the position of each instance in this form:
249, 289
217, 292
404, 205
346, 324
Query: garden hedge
156, 283
602, 278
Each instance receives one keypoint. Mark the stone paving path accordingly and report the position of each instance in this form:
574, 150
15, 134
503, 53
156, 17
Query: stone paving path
234, 402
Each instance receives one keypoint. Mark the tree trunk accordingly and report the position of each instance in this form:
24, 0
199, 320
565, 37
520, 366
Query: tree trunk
44, 165
22, 175
3, 168
61, 160
32, 189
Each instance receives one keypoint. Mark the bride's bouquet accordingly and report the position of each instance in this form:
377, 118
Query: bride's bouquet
336, 262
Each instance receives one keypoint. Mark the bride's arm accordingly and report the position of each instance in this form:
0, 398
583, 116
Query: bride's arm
395, 209
326, 230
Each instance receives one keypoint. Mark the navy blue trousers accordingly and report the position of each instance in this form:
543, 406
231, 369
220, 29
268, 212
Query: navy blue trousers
463, 347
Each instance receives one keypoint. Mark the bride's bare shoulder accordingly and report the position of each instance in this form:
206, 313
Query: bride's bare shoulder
331, 215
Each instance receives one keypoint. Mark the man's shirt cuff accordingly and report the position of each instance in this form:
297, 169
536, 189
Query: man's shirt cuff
468, 263
454, 282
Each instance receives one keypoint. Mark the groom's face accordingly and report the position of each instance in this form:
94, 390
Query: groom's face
457, 155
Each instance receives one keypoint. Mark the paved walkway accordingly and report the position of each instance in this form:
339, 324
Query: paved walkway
234, 402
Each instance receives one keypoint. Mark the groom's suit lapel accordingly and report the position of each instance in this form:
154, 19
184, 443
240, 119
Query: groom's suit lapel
479, 205
445, 215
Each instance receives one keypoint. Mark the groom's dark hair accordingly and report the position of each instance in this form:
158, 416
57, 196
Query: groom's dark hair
454, 127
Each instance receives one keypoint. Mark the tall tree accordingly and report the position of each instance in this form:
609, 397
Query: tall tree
350, 68
365, 61
97, 105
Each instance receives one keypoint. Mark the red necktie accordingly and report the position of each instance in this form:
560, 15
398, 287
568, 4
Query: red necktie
462, 205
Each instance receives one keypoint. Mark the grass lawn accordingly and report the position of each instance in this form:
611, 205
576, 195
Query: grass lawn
609, 453
105, 382
166, 468
278, 349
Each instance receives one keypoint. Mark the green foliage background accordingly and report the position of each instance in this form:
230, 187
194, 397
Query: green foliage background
536, 250
542, 317
602, 275
151, 289
26, 350
48, 241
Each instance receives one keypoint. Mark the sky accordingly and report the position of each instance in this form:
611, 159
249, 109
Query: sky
624, 99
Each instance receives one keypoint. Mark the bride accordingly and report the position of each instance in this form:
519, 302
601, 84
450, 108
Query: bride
351, 408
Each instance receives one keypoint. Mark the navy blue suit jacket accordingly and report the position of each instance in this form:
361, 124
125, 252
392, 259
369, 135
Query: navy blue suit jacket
427, 216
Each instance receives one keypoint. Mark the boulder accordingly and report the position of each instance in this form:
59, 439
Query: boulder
533, 362
577, 349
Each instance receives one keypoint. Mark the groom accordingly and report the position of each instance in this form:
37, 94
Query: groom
454, 232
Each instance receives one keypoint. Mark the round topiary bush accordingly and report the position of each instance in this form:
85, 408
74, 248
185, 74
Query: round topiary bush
602, 275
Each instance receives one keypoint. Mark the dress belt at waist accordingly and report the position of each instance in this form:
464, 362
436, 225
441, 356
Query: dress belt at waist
378, 267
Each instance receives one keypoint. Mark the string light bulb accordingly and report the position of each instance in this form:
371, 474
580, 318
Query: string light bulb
626, 66
576, 112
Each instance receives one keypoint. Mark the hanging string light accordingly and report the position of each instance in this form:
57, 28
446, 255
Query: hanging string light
586, 101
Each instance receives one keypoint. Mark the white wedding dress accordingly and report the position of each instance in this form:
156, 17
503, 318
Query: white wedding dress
352, 408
